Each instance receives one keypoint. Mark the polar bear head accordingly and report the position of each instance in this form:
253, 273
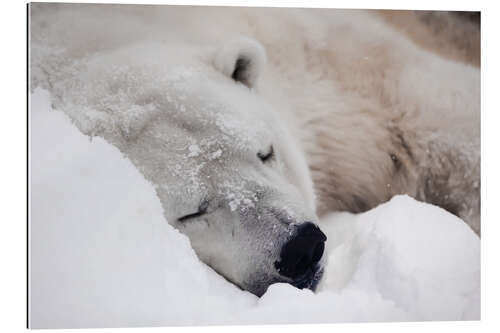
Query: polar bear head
235, 181
228, 171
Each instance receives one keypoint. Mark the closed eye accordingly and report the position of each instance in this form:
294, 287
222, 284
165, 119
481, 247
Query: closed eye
265, 157
202, 209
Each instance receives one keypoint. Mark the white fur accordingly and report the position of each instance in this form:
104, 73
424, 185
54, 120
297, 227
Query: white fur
355, 111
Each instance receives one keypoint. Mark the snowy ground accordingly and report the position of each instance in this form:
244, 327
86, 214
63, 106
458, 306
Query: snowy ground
102, 254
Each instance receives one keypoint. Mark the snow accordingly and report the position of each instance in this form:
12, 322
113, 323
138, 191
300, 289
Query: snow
102, 254
194, 150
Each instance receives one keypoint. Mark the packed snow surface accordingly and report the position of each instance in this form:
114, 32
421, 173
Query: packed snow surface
102, 254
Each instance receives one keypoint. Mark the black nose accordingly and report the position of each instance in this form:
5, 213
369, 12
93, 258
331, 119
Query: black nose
302, 252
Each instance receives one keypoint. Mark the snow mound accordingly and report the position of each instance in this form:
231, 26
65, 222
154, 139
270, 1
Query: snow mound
102, 254
424, 259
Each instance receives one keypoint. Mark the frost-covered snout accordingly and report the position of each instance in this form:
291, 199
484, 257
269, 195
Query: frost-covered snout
279, 245
257, 242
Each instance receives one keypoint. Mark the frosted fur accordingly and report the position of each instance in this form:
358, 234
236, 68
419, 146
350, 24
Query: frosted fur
355, 111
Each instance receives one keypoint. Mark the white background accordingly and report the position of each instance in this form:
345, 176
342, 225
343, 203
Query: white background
13, 165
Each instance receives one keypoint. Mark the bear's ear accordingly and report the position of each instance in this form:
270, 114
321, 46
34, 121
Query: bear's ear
241, 59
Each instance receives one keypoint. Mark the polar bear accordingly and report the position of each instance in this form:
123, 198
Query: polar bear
251, 128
